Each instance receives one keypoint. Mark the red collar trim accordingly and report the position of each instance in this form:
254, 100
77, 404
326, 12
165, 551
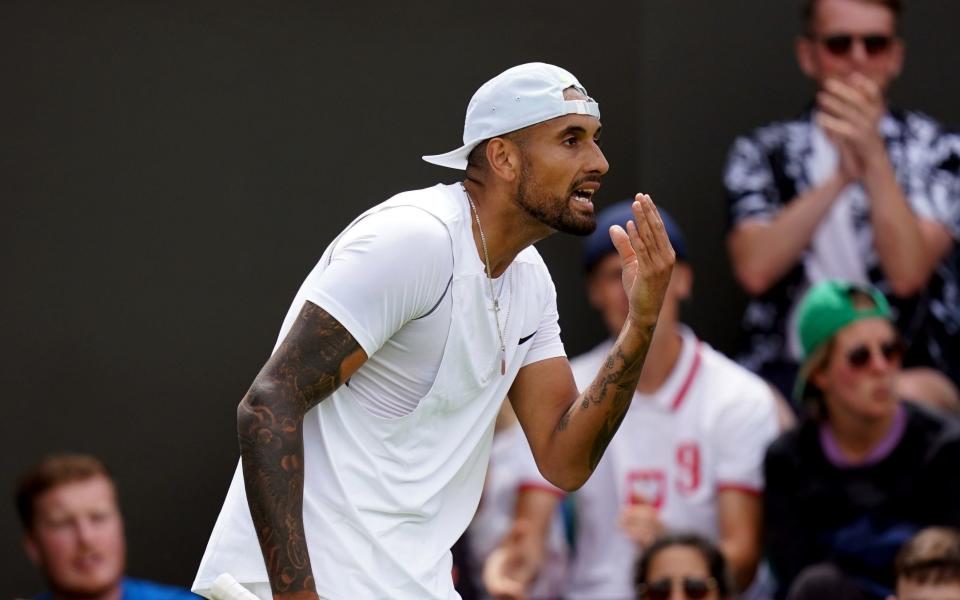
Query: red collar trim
694, 368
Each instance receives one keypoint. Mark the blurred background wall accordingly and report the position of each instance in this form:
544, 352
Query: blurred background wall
170, 171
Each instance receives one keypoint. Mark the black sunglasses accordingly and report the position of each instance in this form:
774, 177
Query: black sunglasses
842, 43
860, 356
693, 588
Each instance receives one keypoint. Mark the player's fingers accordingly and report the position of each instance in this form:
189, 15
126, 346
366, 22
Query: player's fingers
624, 244
643, 240
664, 249
648, 220
640, 249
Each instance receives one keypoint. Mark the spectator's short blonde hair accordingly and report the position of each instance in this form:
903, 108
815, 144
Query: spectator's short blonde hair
53, 471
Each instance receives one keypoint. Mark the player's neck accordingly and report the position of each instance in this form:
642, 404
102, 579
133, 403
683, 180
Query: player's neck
506, 232
661, 358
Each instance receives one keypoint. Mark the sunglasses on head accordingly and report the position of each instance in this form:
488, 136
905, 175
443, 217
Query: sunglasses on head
842, 43
693, 588
859, 356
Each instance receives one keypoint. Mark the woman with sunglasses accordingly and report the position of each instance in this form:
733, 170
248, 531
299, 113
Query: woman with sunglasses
864, 470
682, 566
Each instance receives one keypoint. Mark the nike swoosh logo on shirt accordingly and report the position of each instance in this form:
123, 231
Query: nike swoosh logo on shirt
525, 338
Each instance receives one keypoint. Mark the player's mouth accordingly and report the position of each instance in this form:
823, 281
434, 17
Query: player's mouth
583, 194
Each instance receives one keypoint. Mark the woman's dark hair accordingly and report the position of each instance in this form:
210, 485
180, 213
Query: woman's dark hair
716, 564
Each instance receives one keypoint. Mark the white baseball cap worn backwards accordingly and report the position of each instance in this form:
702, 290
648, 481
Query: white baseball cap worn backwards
519, 97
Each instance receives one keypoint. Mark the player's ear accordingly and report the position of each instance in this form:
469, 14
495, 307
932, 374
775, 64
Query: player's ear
504, 158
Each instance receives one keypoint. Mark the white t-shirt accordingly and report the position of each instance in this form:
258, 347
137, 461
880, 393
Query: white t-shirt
392, 480
706, 429
387, 280
511, 463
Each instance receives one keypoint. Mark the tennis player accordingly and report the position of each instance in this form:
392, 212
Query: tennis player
365, 437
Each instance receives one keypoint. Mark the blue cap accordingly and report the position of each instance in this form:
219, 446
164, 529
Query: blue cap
598, 244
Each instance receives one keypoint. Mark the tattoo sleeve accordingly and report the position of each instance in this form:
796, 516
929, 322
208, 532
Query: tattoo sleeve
306, 368
610, 392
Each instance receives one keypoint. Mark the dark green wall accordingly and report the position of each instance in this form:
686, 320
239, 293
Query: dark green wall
169, 172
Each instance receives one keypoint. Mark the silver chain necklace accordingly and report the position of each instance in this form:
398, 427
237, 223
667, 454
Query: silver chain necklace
495, 298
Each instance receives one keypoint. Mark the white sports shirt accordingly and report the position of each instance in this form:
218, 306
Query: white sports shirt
706, 429
395, 458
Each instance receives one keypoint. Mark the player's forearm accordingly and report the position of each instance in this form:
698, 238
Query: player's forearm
585, 430
271, 448
763, 254
897, 236
316, 356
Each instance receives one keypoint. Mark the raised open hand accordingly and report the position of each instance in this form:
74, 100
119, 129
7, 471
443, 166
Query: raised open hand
647, 260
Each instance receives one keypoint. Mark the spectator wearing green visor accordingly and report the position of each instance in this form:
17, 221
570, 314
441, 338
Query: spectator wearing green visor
864, 470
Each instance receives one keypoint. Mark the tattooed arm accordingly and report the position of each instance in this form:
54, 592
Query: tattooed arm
317, 355
568, 433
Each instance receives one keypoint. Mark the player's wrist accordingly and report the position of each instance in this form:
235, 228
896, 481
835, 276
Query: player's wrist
640, 325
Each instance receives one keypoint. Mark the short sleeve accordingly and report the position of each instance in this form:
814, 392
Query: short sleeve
386, 269
749, 183
942, 200
743, 432
546, 341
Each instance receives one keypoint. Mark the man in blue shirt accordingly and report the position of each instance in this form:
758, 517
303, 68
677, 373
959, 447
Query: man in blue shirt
73, 532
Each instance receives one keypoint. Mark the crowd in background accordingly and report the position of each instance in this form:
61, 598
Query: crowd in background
801, 470
822, 462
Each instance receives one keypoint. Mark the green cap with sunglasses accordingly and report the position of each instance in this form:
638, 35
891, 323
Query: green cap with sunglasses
825, 309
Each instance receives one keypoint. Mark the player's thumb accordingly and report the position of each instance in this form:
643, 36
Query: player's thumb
621, 241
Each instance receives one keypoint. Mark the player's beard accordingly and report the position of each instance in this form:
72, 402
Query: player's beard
550, 209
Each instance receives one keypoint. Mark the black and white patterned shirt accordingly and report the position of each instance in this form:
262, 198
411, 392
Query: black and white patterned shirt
773, 165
